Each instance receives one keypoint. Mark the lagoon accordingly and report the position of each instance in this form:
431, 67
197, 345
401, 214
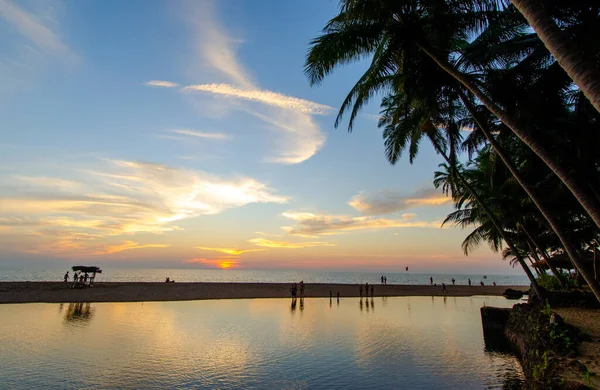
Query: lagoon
395, 342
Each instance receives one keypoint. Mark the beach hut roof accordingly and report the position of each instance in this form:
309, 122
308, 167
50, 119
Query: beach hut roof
86, 268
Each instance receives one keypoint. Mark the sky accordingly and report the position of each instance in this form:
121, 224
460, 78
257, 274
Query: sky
185, 134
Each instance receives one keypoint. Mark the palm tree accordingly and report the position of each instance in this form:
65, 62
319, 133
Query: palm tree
396, 32
547, 214
574, 61
406, 122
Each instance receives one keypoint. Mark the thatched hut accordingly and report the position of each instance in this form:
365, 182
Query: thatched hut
87, 275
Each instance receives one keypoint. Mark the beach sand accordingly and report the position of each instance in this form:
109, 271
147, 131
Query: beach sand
55, 292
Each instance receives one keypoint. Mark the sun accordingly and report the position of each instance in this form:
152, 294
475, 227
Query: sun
227, 264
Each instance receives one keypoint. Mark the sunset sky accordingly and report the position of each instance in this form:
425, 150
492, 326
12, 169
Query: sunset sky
185, 134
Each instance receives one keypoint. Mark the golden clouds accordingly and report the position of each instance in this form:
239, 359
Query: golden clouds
386, 202
285, 244
124, 198
309, 224
229, 251
127, 245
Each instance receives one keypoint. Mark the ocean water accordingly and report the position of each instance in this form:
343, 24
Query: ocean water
385, 343
261, 276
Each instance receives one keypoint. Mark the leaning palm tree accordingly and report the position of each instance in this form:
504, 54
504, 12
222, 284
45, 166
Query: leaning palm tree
395, 32
584, 72
405, 124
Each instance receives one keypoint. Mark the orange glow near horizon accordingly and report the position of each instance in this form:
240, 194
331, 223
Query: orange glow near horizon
227, 264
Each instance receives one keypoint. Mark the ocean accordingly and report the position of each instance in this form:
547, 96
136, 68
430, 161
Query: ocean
261, 276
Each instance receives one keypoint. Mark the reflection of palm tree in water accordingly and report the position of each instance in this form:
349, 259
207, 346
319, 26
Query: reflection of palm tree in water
79, 312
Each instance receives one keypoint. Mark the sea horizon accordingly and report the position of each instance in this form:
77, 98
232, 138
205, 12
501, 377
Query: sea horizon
262, 276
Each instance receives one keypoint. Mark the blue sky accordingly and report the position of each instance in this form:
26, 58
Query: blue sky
184, 133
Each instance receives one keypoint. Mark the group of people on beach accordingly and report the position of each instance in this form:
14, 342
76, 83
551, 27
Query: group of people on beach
79, 279
383, 279
445, 289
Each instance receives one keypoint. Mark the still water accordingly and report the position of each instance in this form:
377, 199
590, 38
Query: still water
389, 343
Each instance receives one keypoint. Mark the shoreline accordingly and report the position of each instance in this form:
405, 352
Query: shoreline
57, 292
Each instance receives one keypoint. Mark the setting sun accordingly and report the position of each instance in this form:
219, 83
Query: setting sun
227, 264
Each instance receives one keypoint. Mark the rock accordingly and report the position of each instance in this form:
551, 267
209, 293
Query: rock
510, 293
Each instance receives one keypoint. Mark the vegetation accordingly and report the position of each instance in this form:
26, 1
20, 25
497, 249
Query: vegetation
527, 174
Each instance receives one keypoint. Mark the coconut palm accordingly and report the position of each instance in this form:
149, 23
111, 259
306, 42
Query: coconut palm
395, 32
583, 71
406, 122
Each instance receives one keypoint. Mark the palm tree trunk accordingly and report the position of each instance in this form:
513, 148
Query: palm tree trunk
546, 258
584, 197
547, 214
492, 217
585, 74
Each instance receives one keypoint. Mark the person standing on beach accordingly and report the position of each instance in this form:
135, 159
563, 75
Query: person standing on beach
385, 280
469, 282
302, 288
453, 281
367, 290
67, 277
381, 279
431, 280
444, 290
360, 290
372, 291
293, 291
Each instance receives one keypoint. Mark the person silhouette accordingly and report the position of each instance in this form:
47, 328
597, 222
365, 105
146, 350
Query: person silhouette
360, 290
66, 277
431, 280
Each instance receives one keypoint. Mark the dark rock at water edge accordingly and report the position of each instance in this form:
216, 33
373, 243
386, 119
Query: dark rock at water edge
509, 293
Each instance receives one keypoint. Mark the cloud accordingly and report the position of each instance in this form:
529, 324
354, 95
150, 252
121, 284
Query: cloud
32, 44
31, 27
217, 60
53, 182
160, 83
229, 251
126, 198
127, 245
309, 224
387, 202
200, 134
267, 97
263, 242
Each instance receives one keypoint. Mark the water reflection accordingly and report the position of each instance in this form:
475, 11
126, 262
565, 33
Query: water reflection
79, 313
259, 343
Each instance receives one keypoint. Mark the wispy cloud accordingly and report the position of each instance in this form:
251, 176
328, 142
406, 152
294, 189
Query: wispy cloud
127, 245
37, 47
263, 242
201, 134
125, 198
32, 28
160, 83
386, 202
216, 51
229, 251
267, 97
309, 224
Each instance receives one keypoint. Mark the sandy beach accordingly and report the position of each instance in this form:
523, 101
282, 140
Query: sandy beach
55, 292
